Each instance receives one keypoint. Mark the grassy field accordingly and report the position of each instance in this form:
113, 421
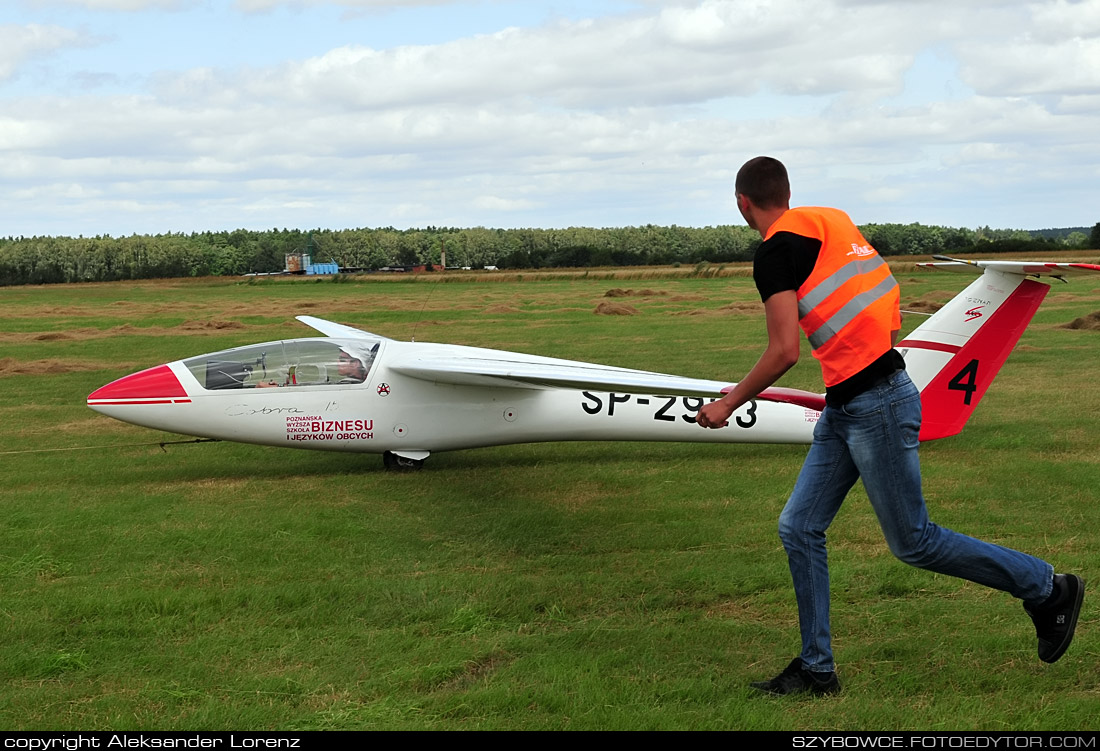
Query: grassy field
554, 586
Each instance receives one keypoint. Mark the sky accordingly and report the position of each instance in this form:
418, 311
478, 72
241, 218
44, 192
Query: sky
122, 117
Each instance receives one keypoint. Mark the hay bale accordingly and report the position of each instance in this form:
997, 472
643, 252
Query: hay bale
11, 366
619, 292
615, 309
742, 307
1091, 322
924, 306
210, 325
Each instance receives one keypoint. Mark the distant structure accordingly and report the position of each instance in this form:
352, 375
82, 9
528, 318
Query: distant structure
302, 263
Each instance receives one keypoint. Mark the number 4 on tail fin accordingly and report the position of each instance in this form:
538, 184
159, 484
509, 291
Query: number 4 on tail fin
966, 380
954, 356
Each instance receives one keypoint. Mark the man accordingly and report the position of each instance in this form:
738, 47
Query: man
350, 369
815, 270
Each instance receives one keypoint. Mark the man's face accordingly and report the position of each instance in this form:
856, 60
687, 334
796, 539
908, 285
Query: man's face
349, 366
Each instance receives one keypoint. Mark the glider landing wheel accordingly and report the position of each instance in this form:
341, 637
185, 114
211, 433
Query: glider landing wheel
393, 461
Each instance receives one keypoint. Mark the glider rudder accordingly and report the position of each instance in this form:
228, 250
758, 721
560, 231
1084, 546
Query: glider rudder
954, 356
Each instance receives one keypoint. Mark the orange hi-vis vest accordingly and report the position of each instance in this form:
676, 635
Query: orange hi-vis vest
849, 305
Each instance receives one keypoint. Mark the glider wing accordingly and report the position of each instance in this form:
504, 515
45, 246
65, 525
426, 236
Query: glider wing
337, 330
551, 373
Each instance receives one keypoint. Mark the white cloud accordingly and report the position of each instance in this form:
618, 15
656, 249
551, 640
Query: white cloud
21, 43
1053, 49
496, 203
125, 5
250, 6
715, 50
1068, 67
1061, 19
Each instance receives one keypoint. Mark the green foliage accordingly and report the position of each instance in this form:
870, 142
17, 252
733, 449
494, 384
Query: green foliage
52, 260
1076, 240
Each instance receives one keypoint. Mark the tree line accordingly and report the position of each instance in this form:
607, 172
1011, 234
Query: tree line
50, 260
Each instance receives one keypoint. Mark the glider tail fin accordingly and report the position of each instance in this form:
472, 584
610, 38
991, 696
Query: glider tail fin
954, 356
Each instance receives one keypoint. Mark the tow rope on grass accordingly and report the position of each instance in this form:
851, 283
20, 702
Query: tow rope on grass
162, 444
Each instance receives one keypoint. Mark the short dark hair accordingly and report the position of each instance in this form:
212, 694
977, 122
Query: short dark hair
763, 180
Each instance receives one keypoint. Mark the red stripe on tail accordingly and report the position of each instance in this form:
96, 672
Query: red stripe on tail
921, 344
955, 391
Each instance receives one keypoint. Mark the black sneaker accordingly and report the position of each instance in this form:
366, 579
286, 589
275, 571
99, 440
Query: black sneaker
796, 680
1056, 619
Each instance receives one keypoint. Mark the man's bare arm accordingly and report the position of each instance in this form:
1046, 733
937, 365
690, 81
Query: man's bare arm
781, 316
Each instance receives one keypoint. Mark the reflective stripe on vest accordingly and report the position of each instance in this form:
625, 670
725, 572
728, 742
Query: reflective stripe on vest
848, 306
848, 312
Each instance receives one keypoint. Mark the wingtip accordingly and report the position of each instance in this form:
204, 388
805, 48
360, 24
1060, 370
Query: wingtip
333, 329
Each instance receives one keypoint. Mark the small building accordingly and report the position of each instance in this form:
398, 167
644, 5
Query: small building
302, 263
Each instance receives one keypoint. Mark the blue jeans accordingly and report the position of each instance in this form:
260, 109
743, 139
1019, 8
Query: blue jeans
874, 437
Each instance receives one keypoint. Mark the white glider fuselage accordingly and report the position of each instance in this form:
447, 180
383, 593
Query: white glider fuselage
393, 411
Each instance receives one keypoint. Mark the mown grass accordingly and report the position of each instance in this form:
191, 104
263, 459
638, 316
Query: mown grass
556, 586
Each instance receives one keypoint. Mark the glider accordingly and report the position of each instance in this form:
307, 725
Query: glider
355, 391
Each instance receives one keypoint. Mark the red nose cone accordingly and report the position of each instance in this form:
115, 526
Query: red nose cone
152, 386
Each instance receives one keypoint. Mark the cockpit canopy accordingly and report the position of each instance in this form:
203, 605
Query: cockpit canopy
289, 363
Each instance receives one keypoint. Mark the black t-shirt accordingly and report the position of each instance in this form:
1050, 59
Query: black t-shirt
784, 261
